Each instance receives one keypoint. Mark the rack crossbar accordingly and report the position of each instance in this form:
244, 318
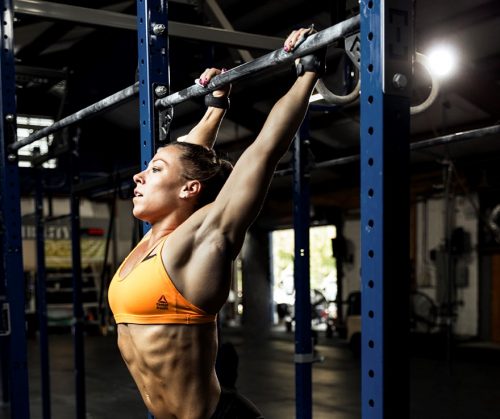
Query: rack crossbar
278, 57
104, 104
457, 137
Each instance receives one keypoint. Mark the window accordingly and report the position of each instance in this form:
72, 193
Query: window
26, 125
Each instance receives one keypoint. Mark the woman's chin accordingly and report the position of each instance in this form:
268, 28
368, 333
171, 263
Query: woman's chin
137, 214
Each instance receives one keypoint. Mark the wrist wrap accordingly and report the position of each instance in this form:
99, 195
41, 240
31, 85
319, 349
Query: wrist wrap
315, 62
217, 102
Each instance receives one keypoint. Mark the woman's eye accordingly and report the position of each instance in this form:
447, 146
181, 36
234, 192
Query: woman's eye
155, 169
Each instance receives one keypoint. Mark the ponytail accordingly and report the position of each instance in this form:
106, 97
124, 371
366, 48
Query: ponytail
203, 164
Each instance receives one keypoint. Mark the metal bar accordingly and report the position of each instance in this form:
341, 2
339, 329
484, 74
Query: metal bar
265, 62
11, 260
57, 11
92, 110
41, 300
113, 179
386, 51
223, 36
102, 307
218, 15
303, 336
457, 137
40, 72
98, 17
277, 57
76, 270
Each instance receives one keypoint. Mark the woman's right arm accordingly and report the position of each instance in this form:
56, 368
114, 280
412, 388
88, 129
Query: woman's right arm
204, 133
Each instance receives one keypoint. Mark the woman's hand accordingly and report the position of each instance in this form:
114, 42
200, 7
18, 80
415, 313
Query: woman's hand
296, 37
315, 62
208, 75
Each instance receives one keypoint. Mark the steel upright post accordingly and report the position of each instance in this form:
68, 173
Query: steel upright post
12, 296
41, 296
154, 82
386, 69
78, 312
154, 74
303, 338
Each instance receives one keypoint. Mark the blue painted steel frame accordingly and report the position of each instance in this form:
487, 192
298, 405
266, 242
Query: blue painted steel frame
303, 337
41, 297
153, 71
76, 271
12, 262
386, 48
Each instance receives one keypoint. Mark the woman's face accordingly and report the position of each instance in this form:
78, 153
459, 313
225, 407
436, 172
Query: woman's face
159, 187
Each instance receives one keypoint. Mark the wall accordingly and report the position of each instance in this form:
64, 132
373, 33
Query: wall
430, 229
430, 239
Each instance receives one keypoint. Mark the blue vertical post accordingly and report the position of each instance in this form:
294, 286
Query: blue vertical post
14, 343
152, 31
303, 336
76, 270
386, 55
154, 74
41, 297
4, 342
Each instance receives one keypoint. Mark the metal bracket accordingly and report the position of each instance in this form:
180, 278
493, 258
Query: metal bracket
165, 118
4, 319
353, 48
397, 48
352, 45
308, 358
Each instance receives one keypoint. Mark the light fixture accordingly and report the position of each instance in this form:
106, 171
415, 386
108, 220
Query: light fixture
442, 60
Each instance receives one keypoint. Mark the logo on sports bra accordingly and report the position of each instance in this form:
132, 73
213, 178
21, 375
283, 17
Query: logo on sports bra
162, 303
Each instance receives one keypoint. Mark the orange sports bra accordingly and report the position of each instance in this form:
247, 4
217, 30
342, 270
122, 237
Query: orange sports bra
147, 295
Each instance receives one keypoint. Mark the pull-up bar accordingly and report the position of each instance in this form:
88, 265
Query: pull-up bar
277, 57
104, 104
457, 137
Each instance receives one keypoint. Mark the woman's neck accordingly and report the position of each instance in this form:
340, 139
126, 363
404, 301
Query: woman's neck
165, 226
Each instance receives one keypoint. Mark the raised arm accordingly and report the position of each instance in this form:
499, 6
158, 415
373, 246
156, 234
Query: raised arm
242, 196
205, 131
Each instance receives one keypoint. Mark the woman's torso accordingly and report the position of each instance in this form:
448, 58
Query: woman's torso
173, 367
172, 364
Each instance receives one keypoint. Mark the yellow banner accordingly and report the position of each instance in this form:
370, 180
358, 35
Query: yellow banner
58, 252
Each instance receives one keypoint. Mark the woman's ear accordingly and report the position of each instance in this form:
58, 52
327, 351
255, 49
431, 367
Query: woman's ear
190, 189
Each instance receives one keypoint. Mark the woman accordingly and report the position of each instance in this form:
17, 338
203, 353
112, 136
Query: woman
167, 292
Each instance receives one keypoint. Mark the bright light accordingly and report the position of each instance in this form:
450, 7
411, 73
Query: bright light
315, 98
442, 60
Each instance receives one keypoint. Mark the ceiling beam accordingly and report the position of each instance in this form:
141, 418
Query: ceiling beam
214, 11
97, 17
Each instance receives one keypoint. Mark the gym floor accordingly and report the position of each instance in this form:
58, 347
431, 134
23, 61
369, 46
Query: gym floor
467, 387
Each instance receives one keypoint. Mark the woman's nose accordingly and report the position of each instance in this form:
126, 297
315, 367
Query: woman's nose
138, 177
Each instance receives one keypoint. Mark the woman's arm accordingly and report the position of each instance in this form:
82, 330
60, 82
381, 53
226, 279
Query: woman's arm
205, 131
242, 196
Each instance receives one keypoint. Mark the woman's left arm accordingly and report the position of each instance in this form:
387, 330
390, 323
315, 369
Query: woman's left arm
241, 198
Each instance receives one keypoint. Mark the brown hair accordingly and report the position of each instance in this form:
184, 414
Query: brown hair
202, 164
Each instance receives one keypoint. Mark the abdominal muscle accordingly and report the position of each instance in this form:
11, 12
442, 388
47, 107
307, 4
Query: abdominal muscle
174, 367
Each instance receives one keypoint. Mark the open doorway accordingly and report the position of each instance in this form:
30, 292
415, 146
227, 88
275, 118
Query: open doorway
323, 276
